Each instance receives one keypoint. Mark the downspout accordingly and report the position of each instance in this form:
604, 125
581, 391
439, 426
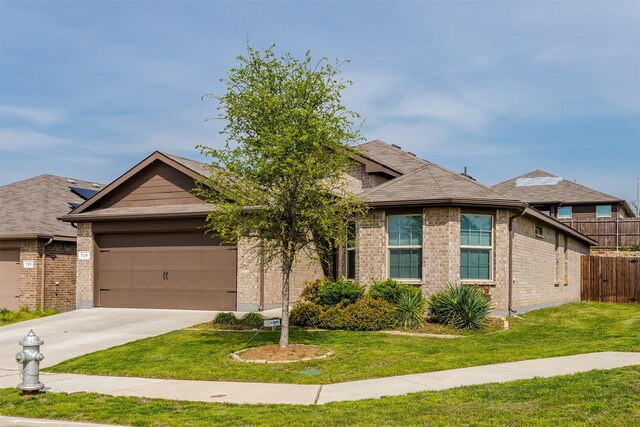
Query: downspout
44, 258
510, 287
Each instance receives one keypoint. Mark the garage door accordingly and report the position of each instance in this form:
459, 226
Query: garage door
185, 270
9, 278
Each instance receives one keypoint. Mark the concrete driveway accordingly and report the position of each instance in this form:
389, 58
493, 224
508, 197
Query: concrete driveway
80, 332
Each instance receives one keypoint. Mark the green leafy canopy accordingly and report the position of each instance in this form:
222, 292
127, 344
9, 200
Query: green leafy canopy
281, 176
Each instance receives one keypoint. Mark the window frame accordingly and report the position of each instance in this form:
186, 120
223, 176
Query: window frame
400, 247
604, 216
490, 248
564, 217
350, 247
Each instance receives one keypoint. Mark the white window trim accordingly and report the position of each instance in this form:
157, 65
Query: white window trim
389, 248
490, 248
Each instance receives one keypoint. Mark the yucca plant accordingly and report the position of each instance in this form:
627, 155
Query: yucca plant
465, 307
410, 307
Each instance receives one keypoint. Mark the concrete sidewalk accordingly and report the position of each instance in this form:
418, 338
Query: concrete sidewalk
265, 393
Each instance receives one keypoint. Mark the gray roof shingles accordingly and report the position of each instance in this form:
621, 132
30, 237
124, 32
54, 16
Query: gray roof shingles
563, 192
32, 206
391, 156
423, 180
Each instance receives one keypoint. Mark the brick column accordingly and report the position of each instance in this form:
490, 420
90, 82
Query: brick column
85, 268
248, 276
441, 249
500, 292
30, 278
371, 248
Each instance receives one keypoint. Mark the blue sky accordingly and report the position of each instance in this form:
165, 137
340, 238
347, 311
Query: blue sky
89, 88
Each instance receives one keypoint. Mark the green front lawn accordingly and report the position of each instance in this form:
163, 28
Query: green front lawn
596, 398
7, 317
204, 354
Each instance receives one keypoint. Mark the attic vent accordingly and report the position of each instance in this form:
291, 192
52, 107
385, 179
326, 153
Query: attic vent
409, 152
397, 146
94, 185
71, 181
543, 180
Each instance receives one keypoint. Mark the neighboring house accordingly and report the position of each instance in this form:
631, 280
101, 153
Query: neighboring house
145, 246
37, 251
563, 199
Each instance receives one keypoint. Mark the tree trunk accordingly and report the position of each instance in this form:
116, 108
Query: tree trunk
325, 254
284, 323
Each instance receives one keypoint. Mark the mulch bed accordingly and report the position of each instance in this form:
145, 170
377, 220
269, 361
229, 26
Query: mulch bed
272, 353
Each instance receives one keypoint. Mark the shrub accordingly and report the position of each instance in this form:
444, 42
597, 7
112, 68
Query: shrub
254, 320
410, 308
369, 314
465, 307
390, 290
333, 318
340, 292
225, 319
366, 314
310, 290
305, 313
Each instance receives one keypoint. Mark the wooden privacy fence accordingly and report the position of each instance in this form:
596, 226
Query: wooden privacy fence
609, 233
610, 279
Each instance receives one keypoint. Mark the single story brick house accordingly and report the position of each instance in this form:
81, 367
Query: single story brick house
141, 240
37, 251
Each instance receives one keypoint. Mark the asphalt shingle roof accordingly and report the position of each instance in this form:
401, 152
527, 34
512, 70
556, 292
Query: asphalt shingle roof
196, 166
391, 156
431, 182
562, 191
32, 206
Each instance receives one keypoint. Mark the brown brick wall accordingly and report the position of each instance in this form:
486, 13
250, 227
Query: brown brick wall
60, 268
30, 282
60, 276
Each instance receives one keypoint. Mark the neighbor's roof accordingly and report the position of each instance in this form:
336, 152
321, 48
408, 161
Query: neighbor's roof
391, 156
434, 184
540, 187
30, 208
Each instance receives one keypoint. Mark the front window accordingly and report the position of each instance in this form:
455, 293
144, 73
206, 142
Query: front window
565, 212
351, 251
603, 211
476, 246
405, 246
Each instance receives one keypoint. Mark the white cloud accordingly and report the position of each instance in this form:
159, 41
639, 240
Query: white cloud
23, 140
447, 109
35, 115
